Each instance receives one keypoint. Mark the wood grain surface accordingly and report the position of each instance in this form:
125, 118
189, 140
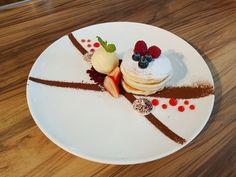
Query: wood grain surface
25, 31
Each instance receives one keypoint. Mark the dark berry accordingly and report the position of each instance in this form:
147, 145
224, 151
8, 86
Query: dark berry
136, 56
143, 63
154, 51
140, 47
148, 57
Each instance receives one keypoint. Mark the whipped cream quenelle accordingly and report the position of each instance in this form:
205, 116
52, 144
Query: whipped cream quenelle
147, 80
103, 61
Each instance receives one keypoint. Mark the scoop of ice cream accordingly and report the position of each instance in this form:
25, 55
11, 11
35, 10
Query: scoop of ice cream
103, 61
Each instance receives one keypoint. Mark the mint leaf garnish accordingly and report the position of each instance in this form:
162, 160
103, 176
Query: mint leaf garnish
108, 47
111, 48
103, 43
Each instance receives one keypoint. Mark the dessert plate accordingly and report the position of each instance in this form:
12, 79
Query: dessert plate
95, 126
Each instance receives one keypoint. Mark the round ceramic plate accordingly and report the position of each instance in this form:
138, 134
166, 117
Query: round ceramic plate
95, 126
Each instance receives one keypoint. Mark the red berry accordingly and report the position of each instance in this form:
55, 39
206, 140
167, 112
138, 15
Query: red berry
164, 106
154, 51
92, 50
89, 45
181, 108
173, 102
88, 40
186, 102
82, 40
155, 102
96, 44
140, 47
192, 107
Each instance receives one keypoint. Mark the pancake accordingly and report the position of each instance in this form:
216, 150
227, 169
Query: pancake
148, 80
146, 86
130, 89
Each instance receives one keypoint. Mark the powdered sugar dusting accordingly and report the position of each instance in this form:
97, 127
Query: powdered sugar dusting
158, 69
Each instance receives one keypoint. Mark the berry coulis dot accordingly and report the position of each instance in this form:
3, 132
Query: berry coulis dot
96, 44
164, 106
192, 107
89, 45
155, 102
173, 102
181, 108
92, 50
88, 40
186, 102
82, 40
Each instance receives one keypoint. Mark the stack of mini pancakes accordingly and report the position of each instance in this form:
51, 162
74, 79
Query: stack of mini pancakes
145, 81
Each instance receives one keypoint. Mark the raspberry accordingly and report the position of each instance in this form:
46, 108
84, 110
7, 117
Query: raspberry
173, 102
140, 47
154, 51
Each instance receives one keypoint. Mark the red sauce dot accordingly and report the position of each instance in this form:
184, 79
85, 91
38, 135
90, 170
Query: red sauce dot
89, 45
96, 44
186, 102
164, 106
181, 108
155, 102
88, 40
82, 40
92, 50
173, 102
192, 107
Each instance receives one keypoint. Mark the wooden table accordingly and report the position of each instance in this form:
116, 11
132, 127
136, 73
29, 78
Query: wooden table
25, 31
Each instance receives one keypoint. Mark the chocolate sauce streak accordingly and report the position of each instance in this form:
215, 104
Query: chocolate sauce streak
77, 44
84, 86
186, 92
164, 129
158, 124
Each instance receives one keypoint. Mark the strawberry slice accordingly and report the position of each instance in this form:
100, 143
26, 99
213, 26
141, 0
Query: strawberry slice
111, 86
116, 75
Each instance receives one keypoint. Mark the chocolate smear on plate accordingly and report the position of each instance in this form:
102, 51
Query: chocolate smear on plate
77, 44
75, 85
186, 92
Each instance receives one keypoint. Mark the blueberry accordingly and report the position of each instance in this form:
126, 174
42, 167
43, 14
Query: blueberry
136, 56
148, 57
143, 63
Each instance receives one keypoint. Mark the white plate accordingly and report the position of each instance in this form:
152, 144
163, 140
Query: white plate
97, 127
